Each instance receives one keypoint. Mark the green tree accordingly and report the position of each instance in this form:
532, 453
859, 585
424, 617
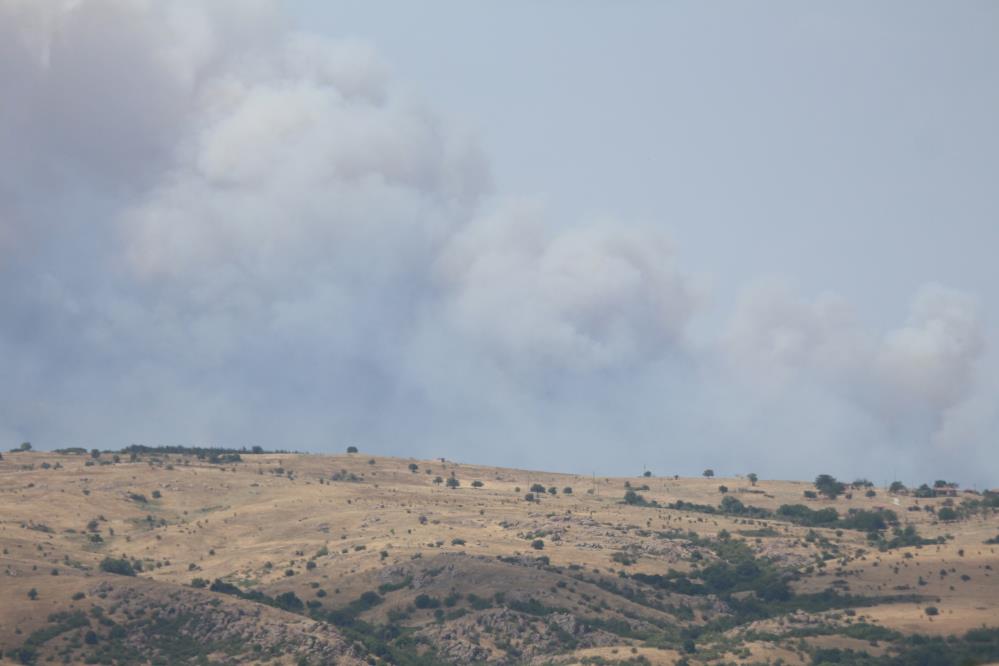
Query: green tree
708, 473
752, 478
453, 482
829, 486
351, 449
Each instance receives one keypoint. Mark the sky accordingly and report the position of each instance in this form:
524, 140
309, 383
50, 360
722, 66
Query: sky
581, 236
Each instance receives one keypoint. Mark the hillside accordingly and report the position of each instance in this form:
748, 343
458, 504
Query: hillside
351, 559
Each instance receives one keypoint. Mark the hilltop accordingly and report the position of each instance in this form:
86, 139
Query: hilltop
234, 557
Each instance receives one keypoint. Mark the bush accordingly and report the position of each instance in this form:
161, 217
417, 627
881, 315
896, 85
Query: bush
708, 473
553, 490
947, 514
119, 566
538, 488
452, 482
753, 478
931, 611
477, 484
723, 489
351, 449
529, 497
413, 467
633, 498
289, 601
538, 544
425, 601
157, 494
567, 490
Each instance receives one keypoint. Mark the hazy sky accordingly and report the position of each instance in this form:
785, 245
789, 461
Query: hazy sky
588, 236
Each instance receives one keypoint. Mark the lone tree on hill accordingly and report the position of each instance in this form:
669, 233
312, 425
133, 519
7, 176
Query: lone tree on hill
351, 449
708, 473
453, 482
829, 486
752, 478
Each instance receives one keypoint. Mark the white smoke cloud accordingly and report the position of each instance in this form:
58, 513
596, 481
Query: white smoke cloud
584, 299
908, 376
215, 228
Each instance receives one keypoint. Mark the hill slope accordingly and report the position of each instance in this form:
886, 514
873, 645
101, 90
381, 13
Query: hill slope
292, 558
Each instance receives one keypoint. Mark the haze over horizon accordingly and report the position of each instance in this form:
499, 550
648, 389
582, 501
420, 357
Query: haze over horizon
573, 236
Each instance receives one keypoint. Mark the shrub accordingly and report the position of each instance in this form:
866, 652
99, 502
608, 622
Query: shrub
351, 449
32, 594
452, 482
413, 467
553, 490
723, 489
477, 484
425, 601
538, 488
947, 514
119, 566
708, 473
567, 490
529, 497
289, 601
157, 494
633, 498
538, 544
931, 610
753, 478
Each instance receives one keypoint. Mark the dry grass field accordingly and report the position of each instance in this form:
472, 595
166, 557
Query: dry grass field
350, 559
